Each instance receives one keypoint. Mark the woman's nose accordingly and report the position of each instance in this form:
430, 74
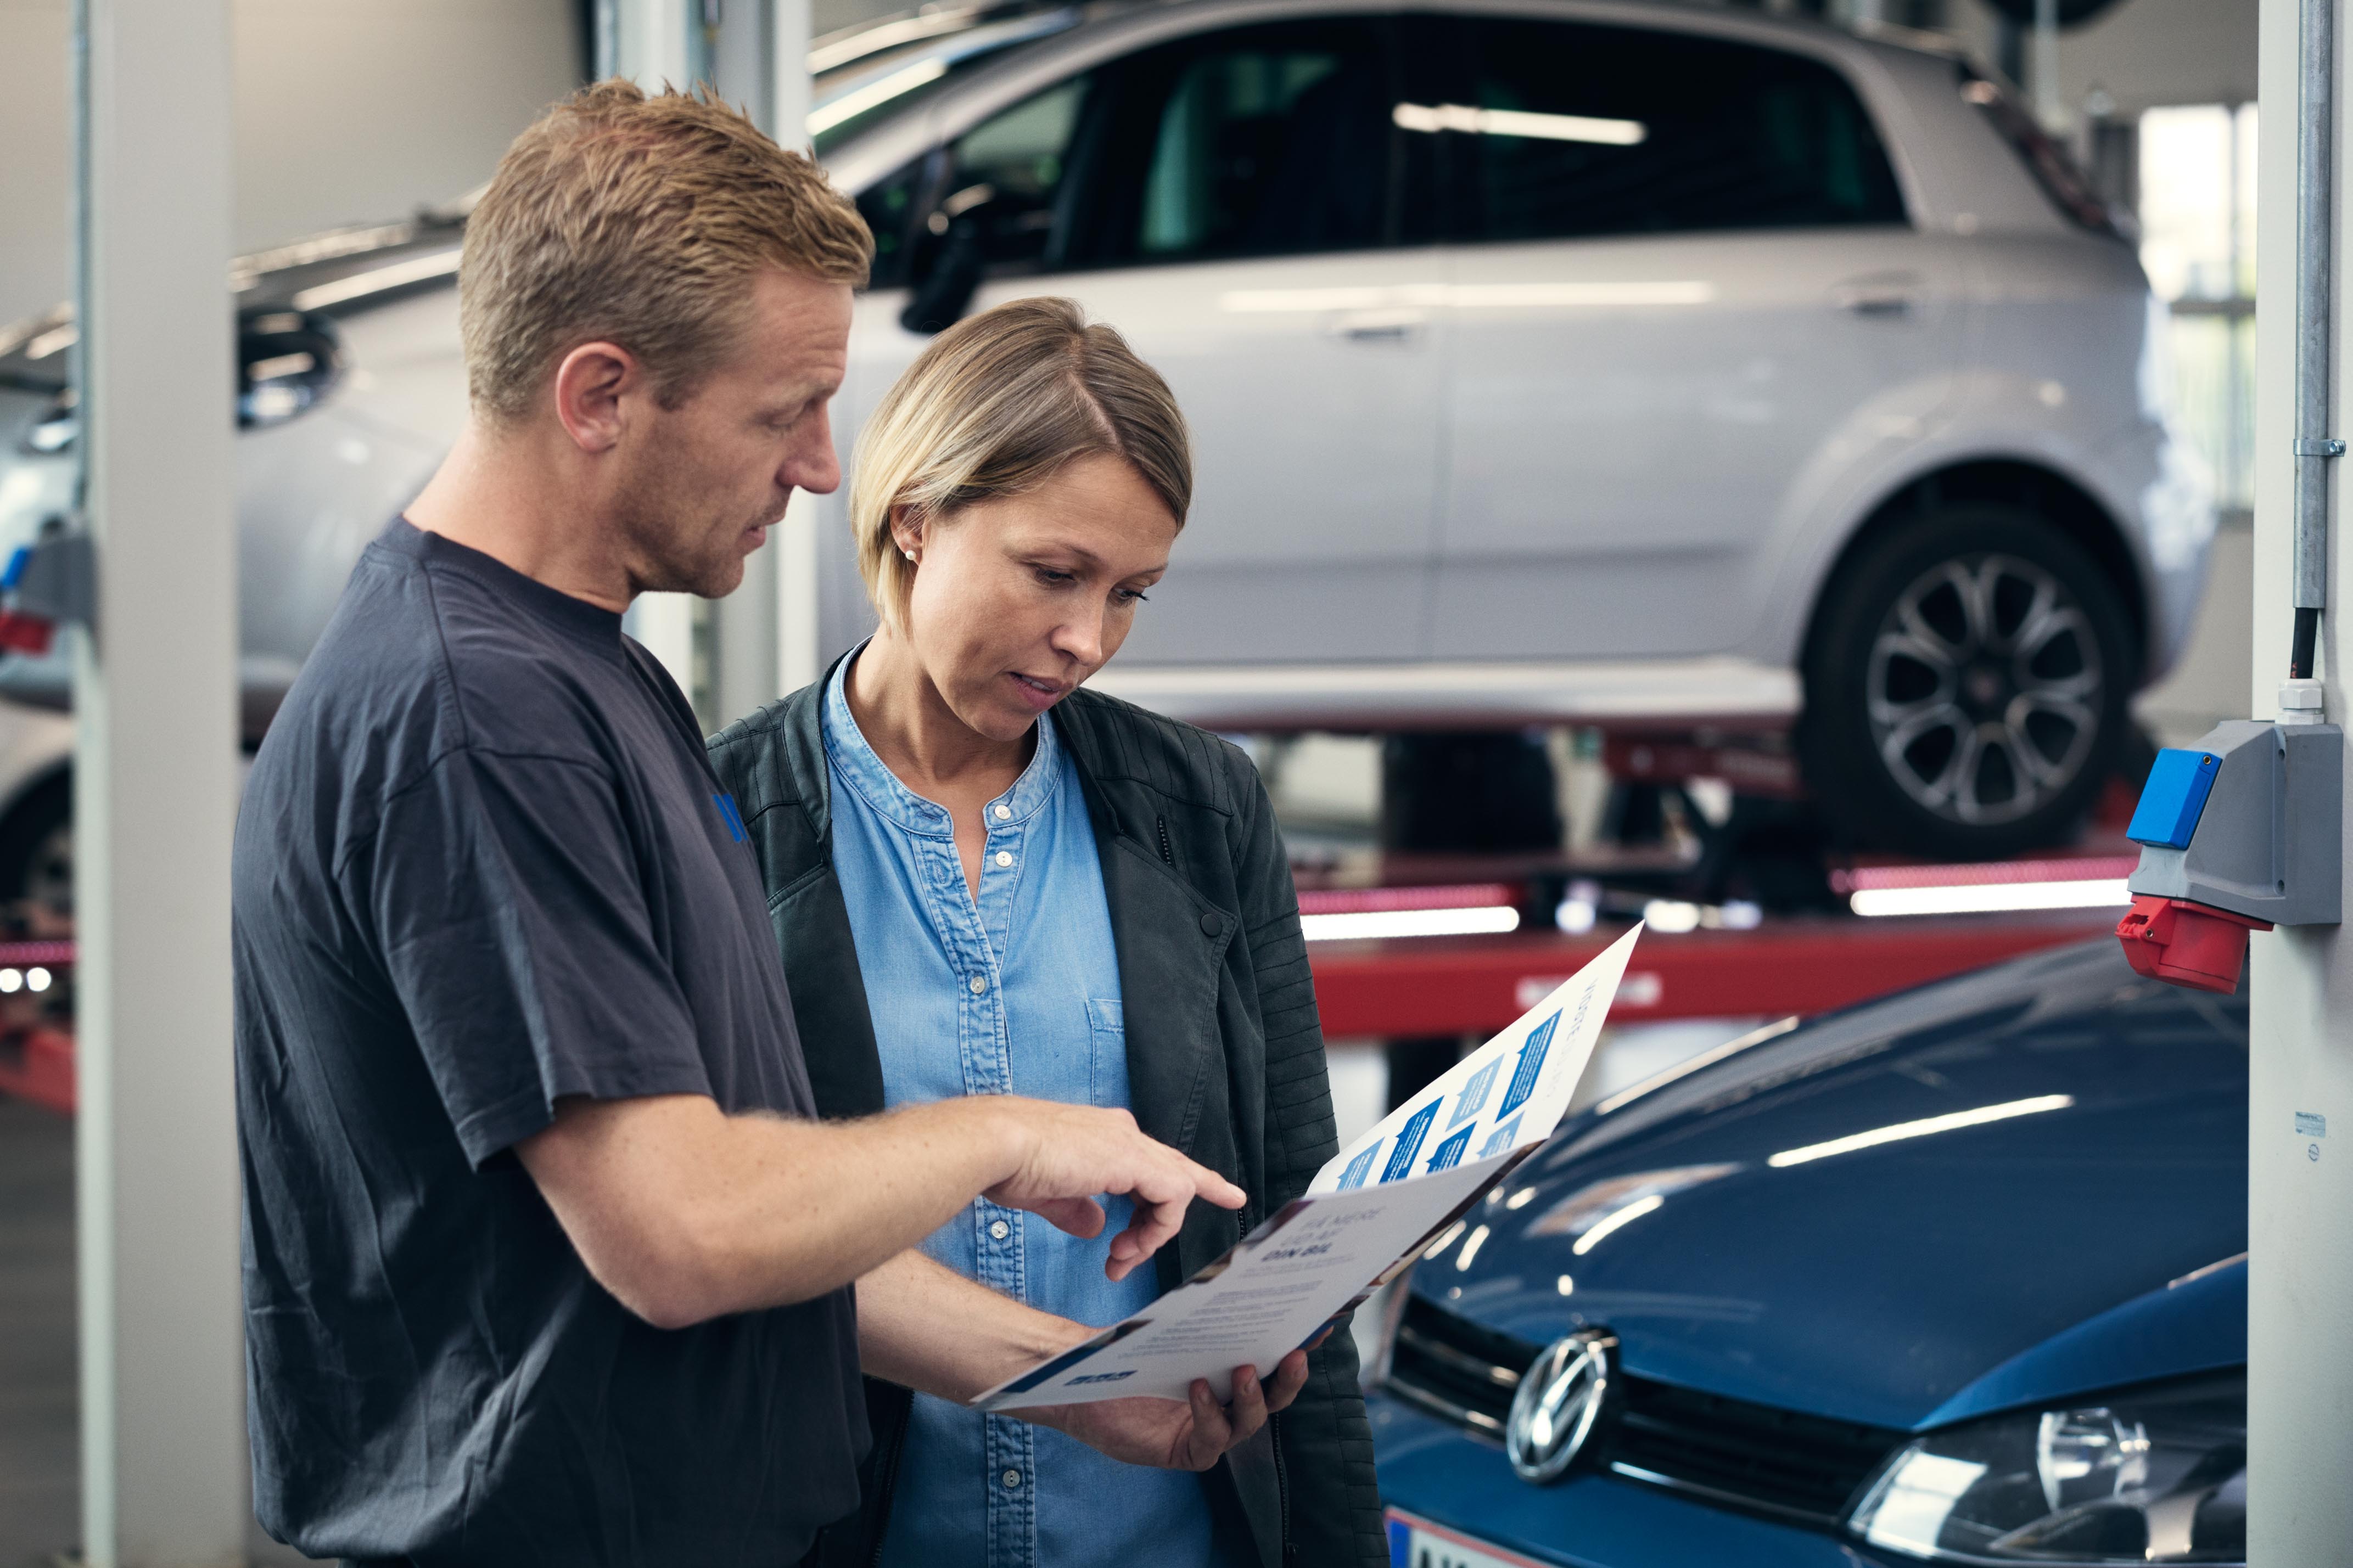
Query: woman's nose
1081, 640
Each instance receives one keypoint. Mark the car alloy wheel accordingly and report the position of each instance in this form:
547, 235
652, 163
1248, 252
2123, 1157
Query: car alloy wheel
1986, 690
1966, 678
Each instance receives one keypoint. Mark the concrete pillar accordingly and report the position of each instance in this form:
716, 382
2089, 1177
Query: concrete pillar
2300, 1224
163, 1449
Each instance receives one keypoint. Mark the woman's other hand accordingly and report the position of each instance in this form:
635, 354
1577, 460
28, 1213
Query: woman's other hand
1179, 1434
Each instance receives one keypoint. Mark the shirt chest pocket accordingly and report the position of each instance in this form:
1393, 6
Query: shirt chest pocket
1107, 1041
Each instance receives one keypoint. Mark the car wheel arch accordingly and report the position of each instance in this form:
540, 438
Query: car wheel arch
2032, 486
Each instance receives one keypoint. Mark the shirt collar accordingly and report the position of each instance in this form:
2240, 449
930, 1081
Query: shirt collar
846, 750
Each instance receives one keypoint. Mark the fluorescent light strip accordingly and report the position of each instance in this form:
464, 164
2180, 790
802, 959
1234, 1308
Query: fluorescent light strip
1518, 122
1984, 898
416, 269
875, 94
1922, 1128
1609, 1223
1365, 924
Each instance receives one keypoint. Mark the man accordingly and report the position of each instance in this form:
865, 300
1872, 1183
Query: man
546, 1258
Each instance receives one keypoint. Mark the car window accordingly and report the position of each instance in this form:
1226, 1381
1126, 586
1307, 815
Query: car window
1581, 130
1001, 182
1265, 140
2049, 161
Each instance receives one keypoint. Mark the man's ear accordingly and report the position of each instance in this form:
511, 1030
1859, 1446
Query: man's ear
591, 382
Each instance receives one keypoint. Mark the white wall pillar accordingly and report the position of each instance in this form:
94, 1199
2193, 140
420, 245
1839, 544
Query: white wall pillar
763, 635
651, 43
793, 543
2300, 1224
164, 1448
765, 632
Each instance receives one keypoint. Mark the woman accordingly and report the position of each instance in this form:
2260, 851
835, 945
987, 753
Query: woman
986, 879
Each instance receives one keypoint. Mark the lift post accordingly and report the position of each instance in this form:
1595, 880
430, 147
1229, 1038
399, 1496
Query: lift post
2300, 1179
163, 1384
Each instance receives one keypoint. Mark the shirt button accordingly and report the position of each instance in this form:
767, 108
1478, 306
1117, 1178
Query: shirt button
980, 984
1012, 1478
1003, 858
999, 1230
1004, 811
1211, 925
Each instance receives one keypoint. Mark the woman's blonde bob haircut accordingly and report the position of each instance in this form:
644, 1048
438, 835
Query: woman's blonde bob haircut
997, 406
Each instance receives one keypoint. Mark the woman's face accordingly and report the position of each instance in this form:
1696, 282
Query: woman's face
1017, 601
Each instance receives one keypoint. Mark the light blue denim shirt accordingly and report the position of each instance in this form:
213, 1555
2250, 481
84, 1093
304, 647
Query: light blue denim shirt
1014, 992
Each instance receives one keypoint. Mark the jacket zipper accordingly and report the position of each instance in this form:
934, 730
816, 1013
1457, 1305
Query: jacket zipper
1282, 1486
1167, 854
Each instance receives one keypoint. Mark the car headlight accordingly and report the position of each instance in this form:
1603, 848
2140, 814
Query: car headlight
2154, 1476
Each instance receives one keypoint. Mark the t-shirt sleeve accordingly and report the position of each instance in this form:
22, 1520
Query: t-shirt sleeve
511, 908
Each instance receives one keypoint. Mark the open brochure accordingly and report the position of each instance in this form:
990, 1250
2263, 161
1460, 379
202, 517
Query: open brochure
1368, 1211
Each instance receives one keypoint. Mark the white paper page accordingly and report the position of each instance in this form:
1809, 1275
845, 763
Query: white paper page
1257, 1304
1509, 1093
1377, 1201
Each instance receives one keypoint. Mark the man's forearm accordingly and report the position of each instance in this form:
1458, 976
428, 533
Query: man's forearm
686, 1213
932, 1330
756, 1210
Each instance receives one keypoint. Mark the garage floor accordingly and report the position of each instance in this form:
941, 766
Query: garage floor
40, 1436
41, 1505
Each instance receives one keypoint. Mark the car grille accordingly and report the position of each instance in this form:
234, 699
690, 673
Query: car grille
1801, 1467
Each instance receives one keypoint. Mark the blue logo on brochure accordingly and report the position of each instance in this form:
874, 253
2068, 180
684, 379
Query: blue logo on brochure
732, 817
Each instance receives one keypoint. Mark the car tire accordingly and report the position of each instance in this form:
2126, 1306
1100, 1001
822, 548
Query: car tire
36, 856
1966, 686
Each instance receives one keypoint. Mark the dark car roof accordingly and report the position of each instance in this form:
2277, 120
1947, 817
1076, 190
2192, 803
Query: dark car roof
1891, 1215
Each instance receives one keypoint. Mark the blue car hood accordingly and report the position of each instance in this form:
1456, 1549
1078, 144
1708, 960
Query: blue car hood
1984, 1193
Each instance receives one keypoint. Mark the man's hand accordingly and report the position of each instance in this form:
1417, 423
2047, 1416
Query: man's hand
1168, 1435
1067, 1148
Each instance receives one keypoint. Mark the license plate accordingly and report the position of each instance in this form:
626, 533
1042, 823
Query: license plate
1417, 1543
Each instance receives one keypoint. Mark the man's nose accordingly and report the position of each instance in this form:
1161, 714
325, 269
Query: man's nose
811, 465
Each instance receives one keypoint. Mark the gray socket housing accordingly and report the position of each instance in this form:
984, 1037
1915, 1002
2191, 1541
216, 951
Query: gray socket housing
2270, 842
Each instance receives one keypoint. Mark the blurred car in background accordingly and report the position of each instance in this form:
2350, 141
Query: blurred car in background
1955, 1277
1548, 361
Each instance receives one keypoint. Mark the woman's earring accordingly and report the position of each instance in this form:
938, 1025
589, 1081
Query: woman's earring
908, 553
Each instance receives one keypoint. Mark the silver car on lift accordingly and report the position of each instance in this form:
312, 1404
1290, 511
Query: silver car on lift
1549, 360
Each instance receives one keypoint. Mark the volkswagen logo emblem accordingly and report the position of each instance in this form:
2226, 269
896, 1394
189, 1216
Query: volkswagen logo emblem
1560, 1404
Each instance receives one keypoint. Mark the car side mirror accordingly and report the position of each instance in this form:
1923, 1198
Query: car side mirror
949, 275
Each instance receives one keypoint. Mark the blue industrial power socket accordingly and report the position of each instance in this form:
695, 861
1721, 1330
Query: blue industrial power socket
2179, 784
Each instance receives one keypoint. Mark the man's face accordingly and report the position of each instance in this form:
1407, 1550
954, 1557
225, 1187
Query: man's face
700, 485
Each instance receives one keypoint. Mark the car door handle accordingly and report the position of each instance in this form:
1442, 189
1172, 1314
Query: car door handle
1879, 297
1379, 326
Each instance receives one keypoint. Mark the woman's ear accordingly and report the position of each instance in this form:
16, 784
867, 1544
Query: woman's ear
907, 531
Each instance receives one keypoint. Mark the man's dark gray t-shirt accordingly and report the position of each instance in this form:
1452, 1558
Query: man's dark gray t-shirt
482, 863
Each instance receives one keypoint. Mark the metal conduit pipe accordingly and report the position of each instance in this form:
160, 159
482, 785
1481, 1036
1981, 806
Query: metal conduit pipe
2315, 203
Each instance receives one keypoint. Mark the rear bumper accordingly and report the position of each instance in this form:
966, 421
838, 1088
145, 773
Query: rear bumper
1428, 1470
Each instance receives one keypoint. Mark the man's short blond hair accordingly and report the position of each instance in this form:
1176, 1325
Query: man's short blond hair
637, 220
997, 406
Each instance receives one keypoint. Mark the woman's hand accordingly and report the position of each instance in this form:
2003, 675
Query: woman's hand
1173, 1434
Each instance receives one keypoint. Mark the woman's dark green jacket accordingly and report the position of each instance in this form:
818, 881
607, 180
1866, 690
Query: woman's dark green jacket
1225, 1057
